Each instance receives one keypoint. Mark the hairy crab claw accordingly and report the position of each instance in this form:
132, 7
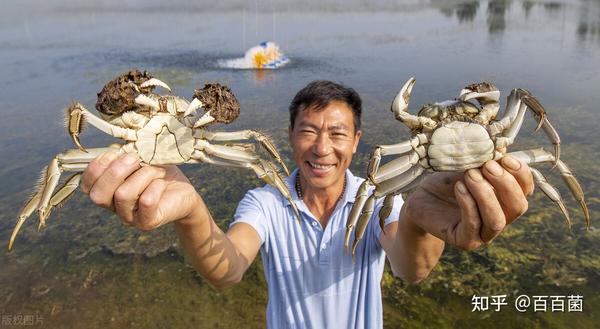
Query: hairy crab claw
154, 82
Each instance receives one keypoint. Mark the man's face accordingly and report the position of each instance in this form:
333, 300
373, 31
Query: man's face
323, 143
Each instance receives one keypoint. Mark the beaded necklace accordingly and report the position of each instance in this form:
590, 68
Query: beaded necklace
299, 189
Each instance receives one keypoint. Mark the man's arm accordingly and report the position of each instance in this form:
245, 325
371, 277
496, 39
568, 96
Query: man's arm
465, 210
221, 258
149, 197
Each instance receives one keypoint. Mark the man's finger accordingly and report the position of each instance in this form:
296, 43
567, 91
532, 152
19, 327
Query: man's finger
148, 215
490, 211
95, 169
520, 172
104, 188
466, 235
508, 190
127, 194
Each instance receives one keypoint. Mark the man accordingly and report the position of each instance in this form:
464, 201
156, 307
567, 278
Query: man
312, 282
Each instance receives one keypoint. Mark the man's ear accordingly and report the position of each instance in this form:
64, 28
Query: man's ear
357, 136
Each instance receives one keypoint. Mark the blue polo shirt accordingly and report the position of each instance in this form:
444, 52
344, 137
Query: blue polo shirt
312, 282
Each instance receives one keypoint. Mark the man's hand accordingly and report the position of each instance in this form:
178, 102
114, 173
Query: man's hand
145, 197
471, 209
148, 197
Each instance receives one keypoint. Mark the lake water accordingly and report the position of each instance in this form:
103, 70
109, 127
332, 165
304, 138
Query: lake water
54, 53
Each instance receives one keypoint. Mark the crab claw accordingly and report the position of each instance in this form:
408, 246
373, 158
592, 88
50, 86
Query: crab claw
204, 120
402, 99
194, 105
155, 83
144, 100
484, 92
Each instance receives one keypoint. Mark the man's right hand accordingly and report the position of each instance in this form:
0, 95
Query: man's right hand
146, 197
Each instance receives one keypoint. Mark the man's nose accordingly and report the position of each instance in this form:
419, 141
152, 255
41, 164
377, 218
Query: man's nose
322, 145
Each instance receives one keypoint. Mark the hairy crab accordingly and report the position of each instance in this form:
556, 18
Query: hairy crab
161, 129
456, 135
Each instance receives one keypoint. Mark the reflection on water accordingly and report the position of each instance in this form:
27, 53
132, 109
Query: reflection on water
53, 53
496, 11
464, 11
588, 28
527, 5
588, 25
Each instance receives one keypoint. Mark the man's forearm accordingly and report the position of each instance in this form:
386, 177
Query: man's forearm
416, 251
209, 249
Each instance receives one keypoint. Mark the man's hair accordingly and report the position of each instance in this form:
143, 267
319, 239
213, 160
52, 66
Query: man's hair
319, 93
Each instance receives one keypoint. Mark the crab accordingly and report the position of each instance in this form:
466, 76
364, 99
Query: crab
456, 135
161, 130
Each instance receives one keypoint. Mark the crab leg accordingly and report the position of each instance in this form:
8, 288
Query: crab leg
72, 160
263, 139
400, 107
385, 188
388, 201
400, 148
57, 200
27, 210
357, 209
225, 152
540, 156
519, 101
44, 200
363, 206
263, 169
395, 168
373, 171
267, 172
551, 192
77, 114
540, 115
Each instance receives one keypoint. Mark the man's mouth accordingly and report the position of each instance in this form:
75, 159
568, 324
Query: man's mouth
320, 166
320, 169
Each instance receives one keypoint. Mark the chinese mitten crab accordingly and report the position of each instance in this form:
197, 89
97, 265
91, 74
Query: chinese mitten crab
161, 129
456, 135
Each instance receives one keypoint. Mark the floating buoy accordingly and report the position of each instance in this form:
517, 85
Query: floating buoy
264, 56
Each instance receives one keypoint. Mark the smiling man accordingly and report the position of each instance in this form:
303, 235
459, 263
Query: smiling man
312, 282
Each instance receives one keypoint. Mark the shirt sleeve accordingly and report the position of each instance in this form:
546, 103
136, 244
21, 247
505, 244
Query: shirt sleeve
393, 217
251, 212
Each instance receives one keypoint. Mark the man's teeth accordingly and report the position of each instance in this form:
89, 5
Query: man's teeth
318, 166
